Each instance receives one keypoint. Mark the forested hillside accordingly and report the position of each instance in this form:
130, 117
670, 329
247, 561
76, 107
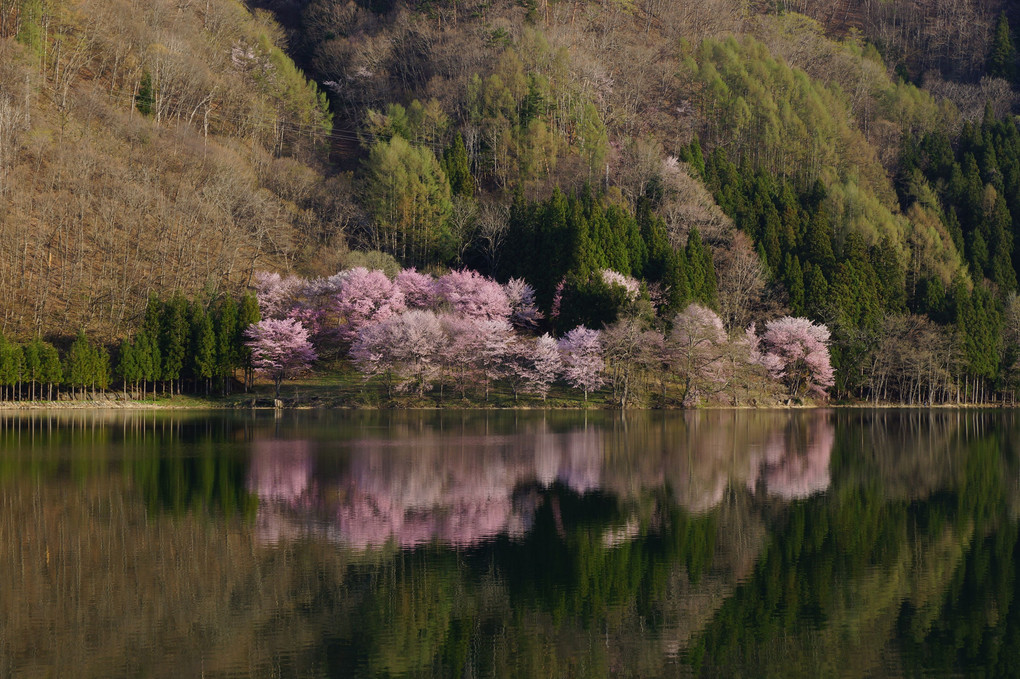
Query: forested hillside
148, 146
853, 162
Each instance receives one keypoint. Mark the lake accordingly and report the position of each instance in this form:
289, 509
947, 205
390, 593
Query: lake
510, 544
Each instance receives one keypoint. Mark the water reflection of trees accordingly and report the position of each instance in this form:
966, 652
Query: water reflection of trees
179, 462
908, 566
632, 546
462, 488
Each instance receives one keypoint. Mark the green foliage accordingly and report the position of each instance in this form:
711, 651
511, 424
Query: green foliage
78, 362
52, 372
88, 364
247, 315
778, 119
151, 322
976, 190
173, 337
30, 31
299, 97
33, 365
590, 302
842, 281
203, 344
145, 98
700, 270
228, 357
384, 126
12, 362
663, 264
180, 480
420, 124
530, 112
979, 324
128, 368
580, 235
199, 344
1002, 57
455, 166
408, 195
693, 156
150, 361
592, 136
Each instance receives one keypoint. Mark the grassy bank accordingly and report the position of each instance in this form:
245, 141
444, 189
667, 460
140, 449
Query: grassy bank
348, 390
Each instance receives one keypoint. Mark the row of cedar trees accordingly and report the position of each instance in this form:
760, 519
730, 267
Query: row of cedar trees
182, 343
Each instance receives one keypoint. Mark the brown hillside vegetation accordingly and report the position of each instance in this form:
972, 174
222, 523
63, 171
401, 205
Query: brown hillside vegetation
563, 94
148, 146
159, 146
950, 37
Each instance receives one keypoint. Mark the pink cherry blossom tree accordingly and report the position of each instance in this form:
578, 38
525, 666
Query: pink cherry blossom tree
802, 348
546, 365
472, 295
477, 348
631, 285
405, 348
280, 348
419, 289
772, 363
628, 351
456, 359
695, 349
557, 300
276, 294
524, 312
491, 338
532, 365
365, 297
581, 353
315, 307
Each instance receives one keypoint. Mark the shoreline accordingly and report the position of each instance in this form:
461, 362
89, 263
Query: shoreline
265, 404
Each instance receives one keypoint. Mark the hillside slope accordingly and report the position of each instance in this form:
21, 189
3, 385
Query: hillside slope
840, 163
148, 146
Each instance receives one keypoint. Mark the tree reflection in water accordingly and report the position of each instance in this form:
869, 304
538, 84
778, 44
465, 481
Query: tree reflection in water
488, 544
462, 489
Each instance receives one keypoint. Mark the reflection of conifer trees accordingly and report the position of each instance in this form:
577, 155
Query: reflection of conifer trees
835, 536
851, 571
179, 479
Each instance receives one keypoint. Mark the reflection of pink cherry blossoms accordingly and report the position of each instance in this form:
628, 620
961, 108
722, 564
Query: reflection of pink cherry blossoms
798, 469
450, 486
373, 520
280, 471
433, 492
581, 460
281, 476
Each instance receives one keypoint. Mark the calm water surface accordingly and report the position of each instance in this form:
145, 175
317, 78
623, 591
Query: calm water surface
474, 544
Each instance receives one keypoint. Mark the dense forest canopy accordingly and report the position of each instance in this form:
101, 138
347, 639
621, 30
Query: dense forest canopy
852, 162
